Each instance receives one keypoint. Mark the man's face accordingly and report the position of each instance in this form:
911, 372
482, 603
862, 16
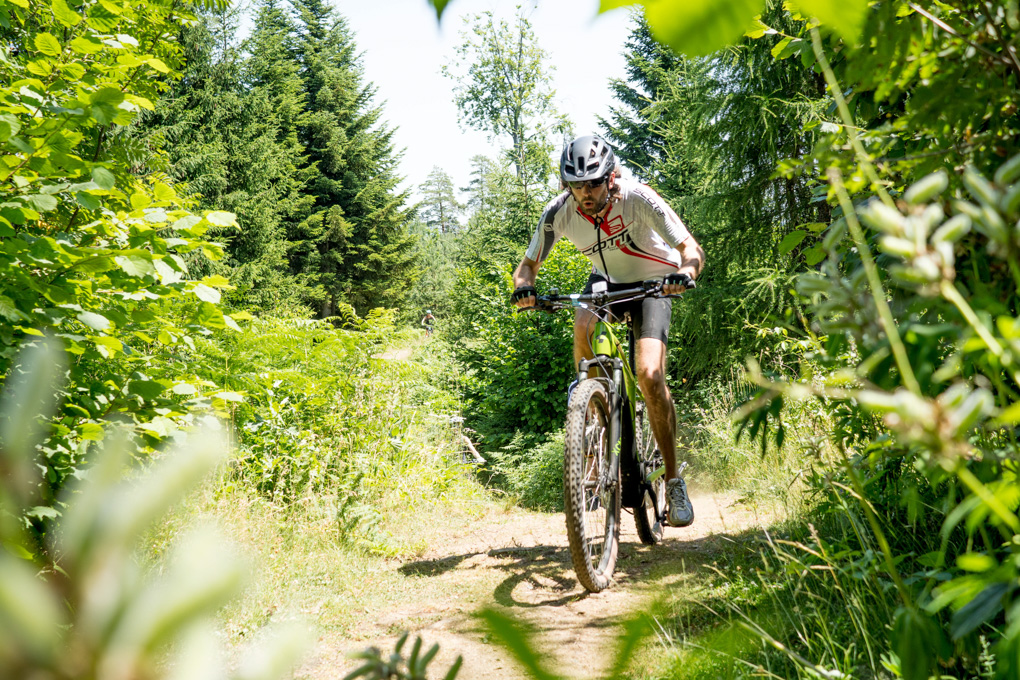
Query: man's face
592, 199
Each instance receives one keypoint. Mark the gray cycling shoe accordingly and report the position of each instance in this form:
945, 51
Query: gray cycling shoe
681, 512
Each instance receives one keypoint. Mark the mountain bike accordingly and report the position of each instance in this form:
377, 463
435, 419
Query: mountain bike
611, 459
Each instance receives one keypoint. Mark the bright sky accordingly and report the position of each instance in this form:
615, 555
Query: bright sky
403, 48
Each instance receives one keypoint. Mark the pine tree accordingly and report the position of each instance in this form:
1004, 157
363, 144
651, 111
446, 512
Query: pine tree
352, 244
221, 141
637, 128
439, 207
480, 190
708, 134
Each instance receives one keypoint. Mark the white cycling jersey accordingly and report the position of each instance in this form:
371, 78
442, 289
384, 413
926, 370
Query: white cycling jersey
635, 238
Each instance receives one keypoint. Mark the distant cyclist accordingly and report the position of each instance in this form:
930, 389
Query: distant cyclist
429, 322
630, 234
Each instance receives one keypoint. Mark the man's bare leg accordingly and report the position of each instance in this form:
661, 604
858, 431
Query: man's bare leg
651, 377
584, 323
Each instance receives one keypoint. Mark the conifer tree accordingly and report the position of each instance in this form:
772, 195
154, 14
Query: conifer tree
220, 141
352, 244
439, 207
707, 134
480, 188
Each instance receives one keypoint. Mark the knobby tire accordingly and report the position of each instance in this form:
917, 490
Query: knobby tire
648, 517
591, 498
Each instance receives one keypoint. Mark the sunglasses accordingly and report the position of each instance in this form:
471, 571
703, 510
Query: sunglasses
590, 183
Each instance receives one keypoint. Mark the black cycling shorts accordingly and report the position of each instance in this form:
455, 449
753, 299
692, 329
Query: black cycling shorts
651, 316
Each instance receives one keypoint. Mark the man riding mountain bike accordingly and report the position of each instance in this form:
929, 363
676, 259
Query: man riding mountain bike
428, 322
631, 235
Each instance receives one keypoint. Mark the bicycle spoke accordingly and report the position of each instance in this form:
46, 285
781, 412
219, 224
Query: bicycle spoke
592, 502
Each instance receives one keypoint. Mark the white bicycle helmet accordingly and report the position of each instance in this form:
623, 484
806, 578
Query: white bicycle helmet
586, 158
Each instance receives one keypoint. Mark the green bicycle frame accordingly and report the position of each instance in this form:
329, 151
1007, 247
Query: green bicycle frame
603, 343
609, 355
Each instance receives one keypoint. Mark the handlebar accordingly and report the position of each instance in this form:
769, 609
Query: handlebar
555, 302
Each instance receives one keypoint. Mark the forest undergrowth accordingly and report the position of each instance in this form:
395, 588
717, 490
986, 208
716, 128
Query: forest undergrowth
343, 459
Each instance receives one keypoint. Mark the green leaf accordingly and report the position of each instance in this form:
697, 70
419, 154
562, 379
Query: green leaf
103, 178
113, 345
157, 65
111, 7
778, 48
516, 638
1009, 415
222, 219
41, 202
74, 71
608, 5
982, 609
140, 200
228, 396
699, 27
912, 636
186, 222
209, 315
140, 102
204, 292
814, 255
791, 241
83, 45
439, 6
843, 17
40, 67
47, 44
9, 126
129, 60
136, 265
976, 562
107, 95
146, 389
42, 512
64, 14
87, 201
96, 322
184, 389
91, 432
9, 310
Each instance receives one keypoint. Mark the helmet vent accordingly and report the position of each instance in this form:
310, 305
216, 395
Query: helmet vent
588, 157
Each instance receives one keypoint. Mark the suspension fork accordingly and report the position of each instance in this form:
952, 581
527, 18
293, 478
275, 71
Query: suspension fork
616, 404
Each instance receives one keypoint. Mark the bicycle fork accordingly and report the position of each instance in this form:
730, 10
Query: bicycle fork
615, 409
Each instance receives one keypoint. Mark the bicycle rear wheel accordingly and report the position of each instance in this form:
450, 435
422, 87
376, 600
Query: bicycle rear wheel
591, 492
648, 516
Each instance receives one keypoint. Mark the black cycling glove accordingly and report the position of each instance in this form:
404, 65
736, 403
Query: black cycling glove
523, 292
679, 279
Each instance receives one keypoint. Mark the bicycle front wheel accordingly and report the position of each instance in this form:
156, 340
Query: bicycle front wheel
591, 491
651, 466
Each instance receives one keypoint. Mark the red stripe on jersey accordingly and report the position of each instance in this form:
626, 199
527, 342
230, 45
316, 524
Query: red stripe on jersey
624, 249
605, 218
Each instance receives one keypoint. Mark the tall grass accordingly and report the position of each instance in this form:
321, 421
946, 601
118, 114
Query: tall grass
338, 447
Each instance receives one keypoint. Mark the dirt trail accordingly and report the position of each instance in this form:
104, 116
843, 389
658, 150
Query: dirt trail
520, 561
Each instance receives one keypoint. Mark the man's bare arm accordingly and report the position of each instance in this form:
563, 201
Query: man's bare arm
693, 258
525, 275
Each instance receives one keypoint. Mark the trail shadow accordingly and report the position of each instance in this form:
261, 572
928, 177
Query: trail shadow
434, 567
543, 573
